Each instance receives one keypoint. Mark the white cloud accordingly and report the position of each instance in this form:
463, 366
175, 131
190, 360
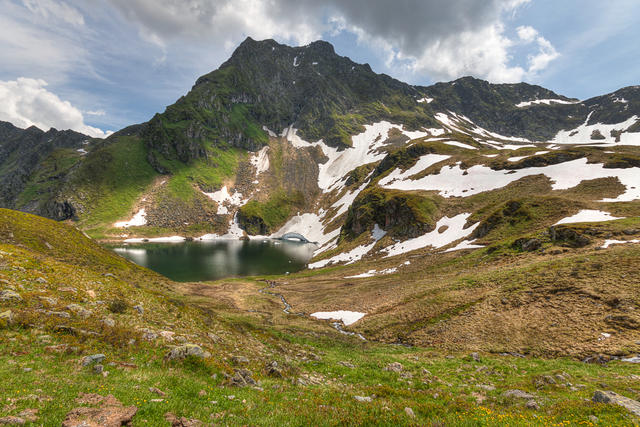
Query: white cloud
96, 113
25, 102
443, 39
55, 9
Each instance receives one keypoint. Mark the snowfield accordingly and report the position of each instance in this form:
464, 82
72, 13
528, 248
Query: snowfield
453, 182
588, 215
223, 196
346, 317
545, 101
582, 134
138, 219
454, 231
260, 160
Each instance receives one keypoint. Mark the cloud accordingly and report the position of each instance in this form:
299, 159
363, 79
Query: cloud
25, 102
96, 113
56, 9
443, 39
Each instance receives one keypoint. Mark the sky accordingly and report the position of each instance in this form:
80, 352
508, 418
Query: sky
96, 66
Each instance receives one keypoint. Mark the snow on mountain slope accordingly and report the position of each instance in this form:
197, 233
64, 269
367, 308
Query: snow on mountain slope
453, 181
603, 135
446, 231
544, 101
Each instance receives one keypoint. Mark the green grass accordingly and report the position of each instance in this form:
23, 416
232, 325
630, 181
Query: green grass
273, 213
206, 174
111, 180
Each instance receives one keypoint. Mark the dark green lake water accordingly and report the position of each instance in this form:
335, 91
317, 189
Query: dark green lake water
211, 260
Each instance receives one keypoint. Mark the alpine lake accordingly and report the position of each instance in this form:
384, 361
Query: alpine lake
201, 260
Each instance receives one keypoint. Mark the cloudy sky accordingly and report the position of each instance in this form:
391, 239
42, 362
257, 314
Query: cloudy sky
99, 65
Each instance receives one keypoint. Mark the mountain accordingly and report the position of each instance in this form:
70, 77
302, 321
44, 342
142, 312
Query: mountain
279, 131
33, 161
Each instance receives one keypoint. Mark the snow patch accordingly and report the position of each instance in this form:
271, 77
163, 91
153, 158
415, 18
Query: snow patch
426, 99
455, 230
545, 101
582, 134
423, 163
588, 215
295, 62
453, 182
223, 196
138, 219
465, 244
261, 160
269, 131
460, 144
608, 243
346, 317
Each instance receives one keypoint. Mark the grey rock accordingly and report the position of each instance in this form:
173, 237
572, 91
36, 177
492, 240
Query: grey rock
532, 404
113, 276
475, 357
409, 412
241, 378
98, 369
94, 358
363, 398
518, 394
183, 351
273, 370
347, 364
610, 397
49, 300
394, 367
41, 280
139, 308
239, 360
6, 318
9, 295
62, 314
79, 310
13, 421
109, 322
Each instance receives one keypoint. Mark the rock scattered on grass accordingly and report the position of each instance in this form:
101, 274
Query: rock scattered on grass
176, 421
12, 421
94, 358
610, 397
9, 295
347, 364
182, 351
363, 398
239, 360
409, 412
157, 391
394, 367
518, 394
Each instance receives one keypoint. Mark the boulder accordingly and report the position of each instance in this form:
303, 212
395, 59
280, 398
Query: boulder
183, 351
394, 367
6, 317
94, 358
111, 413
518, 394
9, 295
610, 397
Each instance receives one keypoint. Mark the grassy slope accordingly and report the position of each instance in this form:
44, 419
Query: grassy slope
439, 389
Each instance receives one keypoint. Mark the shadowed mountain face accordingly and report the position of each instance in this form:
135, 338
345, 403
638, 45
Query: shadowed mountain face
22, 153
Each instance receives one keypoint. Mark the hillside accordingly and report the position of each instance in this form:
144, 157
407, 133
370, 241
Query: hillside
86, 334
